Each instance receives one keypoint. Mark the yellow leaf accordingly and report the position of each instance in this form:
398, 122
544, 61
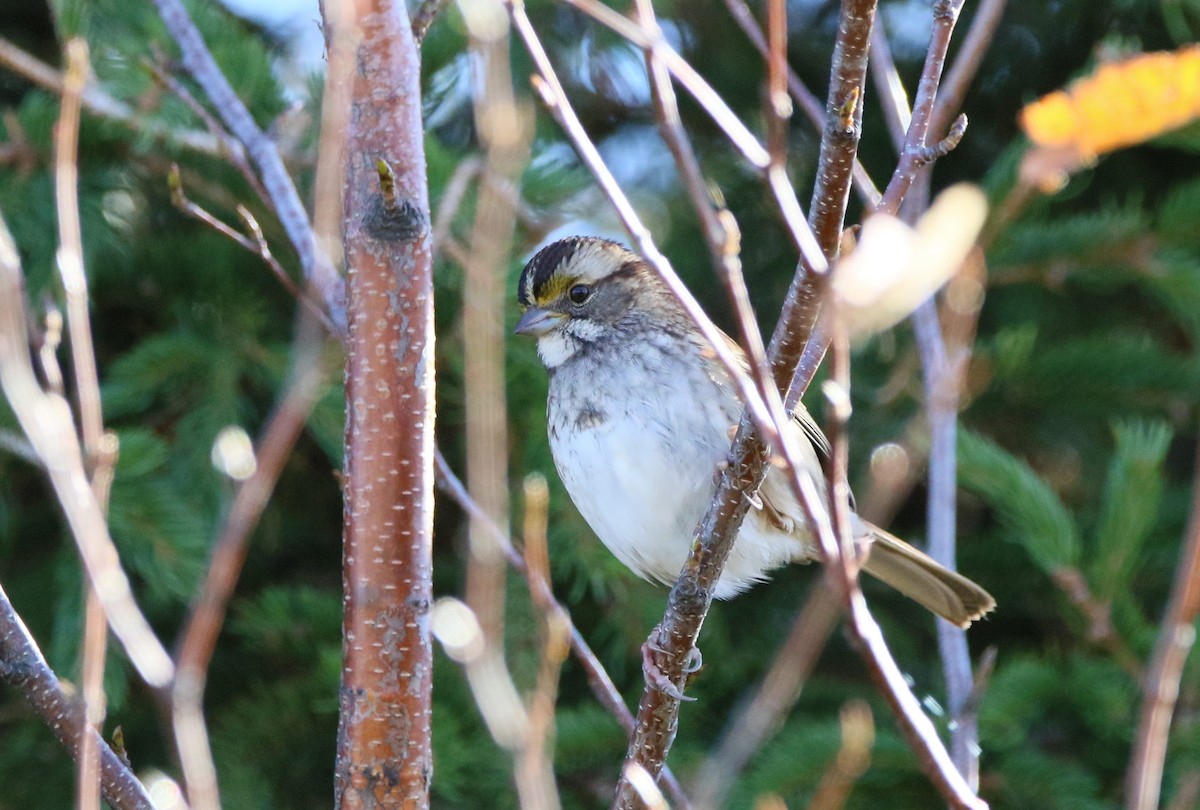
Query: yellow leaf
1121, 104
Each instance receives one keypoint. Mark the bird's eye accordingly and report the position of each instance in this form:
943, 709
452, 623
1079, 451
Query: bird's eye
579, 294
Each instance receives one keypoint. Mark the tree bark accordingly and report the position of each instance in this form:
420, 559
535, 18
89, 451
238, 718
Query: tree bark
384, 757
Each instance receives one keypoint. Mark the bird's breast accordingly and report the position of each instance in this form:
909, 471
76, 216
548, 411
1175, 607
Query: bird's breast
640, 470
638, 450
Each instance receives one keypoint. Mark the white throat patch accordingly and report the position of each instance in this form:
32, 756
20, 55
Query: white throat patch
557, 346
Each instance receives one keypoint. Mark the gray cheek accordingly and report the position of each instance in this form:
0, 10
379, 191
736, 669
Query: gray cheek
609, 304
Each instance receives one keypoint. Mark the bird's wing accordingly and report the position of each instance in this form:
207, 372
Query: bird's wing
802, 417
775, 501
813, 431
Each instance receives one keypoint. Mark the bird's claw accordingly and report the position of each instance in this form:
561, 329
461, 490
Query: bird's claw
654, 675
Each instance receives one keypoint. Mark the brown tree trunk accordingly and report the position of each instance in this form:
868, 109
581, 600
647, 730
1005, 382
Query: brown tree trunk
384, 757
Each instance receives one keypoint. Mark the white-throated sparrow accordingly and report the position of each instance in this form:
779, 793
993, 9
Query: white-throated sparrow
639, 414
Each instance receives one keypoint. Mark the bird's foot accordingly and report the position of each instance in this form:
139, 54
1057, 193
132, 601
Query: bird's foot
654, 675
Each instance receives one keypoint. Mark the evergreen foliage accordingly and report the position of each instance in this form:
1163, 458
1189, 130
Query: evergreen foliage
1075, 453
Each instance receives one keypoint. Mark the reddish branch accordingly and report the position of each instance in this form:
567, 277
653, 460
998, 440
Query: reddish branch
962, 72
827, 211
384, 758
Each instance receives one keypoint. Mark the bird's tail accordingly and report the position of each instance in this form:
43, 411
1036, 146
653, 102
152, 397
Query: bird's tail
918, 576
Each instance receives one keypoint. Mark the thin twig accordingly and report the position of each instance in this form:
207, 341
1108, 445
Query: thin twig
797, 324
535, 769
961, 74
23, 667
717, 222
897, 111
70, 256
942, 404
255, 243
238, 157
99, 450
1160, 690
810, 105
864, 631
602, 685
779, 106
262, 152
1097, 613
199, 637
48, 424
342, 39
914, 157
98, 102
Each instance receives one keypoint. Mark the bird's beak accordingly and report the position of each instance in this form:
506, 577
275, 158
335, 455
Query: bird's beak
537, 322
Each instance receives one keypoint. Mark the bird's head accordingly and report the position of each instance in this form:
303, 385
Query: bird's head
581, 291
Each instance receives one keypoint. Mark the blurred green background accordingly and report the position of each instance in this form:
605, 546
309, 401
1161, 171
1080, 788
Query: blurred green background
1078, 437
